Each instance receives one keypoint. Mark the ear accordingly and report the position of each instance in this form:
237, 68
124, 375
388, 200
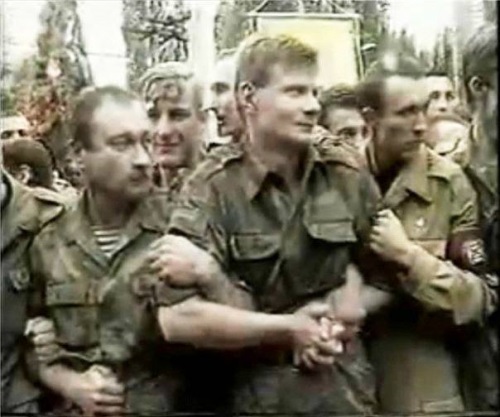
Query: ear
476, 86
24, 174
370, 116
246, 95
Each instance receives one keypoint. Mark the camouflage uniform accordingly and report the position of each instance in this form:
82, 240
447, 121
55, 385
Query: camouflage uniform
24, 214
410, 340
286, 252
104, 308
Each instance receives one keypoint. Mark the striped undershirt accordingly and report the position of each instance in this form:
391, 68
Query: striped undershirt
107, 239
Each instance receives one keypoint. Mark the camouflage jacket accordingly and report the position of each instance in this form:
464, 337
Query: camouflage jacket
26, 212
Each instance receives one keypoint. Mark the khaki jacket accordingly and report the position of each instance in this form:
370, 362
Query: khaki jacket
443, 288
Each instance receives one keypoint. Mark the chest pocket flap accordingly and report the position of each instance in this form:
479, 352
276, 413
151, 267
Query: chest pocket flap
74, 293
254, 246
335, 230
327, 217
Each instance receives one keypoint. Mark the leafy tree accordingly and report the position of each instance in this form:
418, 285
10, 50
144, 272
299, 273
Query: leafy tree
46, 83
154, 31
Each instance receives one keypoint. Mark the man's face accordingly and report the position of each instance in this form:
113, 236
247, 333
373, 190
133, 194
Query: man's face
441, 96
119, 159
286, 109
401, 127
348, 124
72, 168
178, 125
14, 127
489, 108
224, 101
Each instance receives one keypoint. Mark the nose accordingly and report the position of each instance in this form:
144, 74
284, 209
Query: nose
311, 106
442, 104
142, 157
420, 126
163, 127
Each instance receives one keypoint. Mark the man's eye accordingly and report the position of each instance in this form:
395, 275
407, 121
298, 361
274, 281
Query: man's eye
348, 133
434, 95
153, 114
120, 144
181, 115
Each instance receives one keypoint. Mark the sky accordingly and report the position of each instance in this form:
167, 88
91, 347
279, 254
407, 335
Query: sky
106, 50
425, 19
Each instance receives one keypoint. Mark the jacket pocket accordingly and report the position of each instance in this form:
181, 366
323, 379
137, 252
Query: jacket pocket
250, 247
75, 310
335, 231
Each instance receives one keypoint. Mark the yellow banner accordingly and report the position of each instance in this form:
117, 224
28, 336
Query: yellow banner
336, 39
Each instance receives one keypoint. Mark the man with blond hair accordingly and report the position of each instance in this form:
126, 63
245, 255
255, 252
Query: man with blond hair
283, 215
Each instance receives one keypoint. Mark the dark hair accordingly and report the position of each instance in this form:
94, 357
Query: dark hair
89, 100
479, 54
29, 152
371, 91
339, 96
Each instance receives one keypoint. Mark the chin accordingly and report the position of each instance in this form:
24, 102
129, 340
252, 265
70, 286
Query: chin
170, 162
139, 194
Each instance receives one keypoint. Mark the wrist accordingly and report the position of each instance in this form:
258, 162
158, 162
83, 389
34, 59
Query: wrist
405, 260
208, 273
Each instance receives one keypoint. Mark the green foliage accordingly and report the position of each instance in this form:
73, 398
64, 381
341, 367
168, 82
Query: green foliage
46, 83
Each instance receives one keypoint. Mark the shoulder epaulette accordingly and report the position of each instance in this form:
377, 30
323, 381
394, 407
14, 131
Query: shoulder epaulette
440, 166
217, 159
48, 196
334, 150
53, 204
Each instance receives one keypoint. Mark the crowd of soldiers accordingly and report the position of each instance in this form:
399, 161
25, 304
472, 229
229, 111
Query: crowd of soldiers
337, 254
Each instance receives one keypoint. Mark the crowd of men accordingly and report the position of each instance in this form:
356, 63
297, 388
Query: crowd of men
336, 254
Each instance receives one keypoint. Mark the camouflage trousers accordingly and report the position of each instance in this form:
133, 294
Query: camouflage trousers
346, 387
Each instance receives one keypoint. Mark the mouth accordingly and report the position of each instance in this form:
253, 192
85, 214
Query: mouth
140, 178
306, 125
165, 148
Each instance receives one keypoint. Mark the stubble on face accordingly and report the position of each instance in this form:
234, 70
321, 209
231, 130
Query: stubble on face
118, 161
401, 128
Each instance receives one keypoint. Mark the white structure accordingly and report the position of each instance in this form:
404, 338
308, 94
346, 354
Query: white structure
20, 27
468, 16
102, 33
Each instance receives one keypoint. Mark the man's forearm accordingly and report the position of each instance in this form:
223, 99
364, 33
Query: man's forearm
223, 290
57, 378
210, 325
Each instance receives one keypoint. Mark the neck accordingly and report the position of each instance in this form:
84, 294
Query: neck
383, 161
107, 210
284, 161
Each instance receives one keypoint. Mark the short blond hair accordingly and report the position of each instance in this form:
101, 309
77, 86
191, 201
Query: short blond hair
171, 75
258, 53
